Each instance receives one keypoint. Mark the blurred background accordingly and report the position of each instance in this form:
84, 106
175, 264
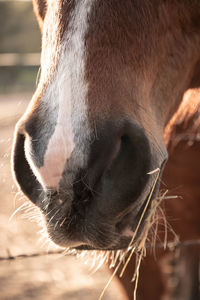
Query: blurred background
49, 277
19, 47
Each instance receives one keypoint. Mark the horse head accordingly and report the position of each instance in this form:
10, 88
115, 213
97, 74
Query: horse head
112, 75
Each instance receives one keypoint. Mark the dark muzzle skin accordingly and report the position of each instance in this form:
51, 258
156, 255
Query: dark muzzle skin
119, 163
107, 195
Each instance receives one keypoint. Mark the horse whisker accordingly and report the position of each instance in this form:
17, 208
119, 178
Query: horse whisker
53, 216
20, 208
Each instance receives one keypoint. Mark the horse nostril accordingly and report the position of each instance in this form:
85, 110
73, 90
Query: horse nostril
125, 163
124, 149
23, 173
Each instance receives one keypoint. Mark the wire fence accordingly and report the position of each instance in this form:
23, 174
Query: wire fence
170, 246
15, 0
30, 255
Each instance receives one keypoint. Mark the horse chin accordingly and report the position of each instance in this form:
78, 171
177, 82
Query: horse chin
122, 244
122, 234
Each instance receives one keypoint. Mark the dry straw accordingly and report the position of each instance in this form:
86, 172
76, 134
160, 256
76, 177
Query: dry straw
139, 247
122, 257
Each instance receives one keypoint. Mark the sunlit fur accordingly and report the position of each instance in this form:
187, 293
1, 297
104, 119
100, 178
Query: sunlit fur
131, 62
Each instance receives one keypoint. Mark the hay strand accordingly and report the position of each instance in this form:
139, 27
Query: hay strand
140, 220
132, 240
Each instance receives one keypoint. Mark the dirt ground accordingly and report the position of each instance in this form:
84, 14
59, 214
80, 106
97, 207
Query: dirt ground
48, 277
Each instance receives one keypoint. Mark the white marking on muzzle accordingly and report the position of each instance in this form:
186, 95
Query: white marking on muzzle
67, 90
61, 143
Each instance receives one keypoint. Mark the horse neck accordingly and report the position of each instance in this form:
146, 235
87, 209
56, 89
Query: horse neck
182, 20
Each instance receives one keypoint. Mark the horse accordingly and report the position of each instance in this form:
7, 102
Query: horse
176, 273
92, 146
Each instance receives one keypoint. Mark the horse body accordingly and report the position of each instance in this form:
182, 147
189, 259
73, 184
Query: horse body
182, 135
113, 73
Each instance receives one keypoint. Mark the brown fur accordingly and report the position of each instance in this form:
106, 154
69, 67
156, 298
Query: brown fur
169, 65
182, 177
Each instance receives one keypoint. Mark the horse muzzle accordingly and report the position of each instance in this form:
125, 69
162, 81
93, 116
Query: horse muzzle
94, 204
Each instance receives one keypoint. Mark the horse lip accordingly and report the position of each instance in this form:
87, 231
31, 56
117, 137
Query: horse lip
124, 241
118, 239
123, 244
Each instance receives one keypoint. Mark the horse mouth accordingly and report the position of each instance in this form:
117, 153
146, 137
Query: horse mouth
124, 241
79, 233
